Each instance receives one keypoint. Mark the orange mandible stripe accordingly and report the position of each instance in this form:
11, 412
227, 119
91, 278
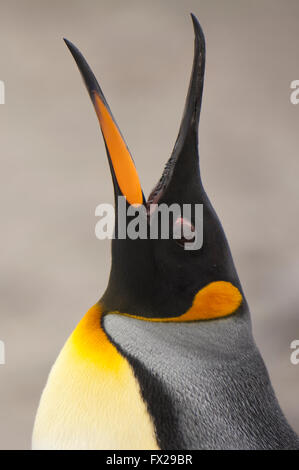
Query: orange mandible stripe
124, 168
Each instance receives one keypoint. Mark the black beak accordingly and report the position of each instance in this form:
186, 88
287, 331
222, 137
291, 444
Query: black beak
181, 175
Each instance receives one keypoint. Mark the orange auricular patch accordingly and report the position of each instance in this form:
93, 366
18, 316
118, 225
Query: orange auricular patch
124, 168
217, 299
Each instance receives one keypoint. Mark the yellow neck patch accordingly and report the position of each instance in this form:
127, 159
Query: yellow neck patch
92, 399
91, 343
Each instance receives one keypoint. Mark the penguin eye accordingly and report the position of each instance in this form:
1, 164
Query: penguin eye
183, 231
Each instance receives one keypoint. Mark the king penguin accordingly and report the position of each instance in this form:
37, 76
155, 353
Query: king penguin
166, 358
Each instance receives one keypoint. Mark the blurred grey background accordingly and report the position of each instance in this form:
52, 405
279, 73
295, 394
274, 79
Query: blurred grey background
54, 170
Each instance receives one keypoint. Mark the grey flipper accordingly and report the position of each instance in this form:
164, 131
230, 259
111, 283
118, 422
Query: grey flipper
205, 383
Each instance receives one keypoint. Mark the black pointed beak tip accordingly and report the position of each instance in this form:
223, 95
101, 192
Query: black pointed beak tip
74, 51
197, 28
70, 45
86, 72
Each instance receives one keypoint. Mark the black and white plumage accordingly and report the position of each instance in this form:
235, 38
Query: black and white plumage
166, 359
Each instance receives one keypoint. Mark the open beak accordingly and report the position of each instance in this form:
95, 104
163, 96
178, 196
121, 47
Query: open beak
124, 174
181, 174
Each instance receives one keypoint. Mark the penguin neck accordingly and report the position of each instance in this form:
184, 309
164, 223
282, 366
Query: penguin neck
129, 281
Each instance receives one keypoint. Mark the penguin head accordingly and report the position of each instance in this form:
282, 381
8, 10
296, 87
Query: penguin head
176, 277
